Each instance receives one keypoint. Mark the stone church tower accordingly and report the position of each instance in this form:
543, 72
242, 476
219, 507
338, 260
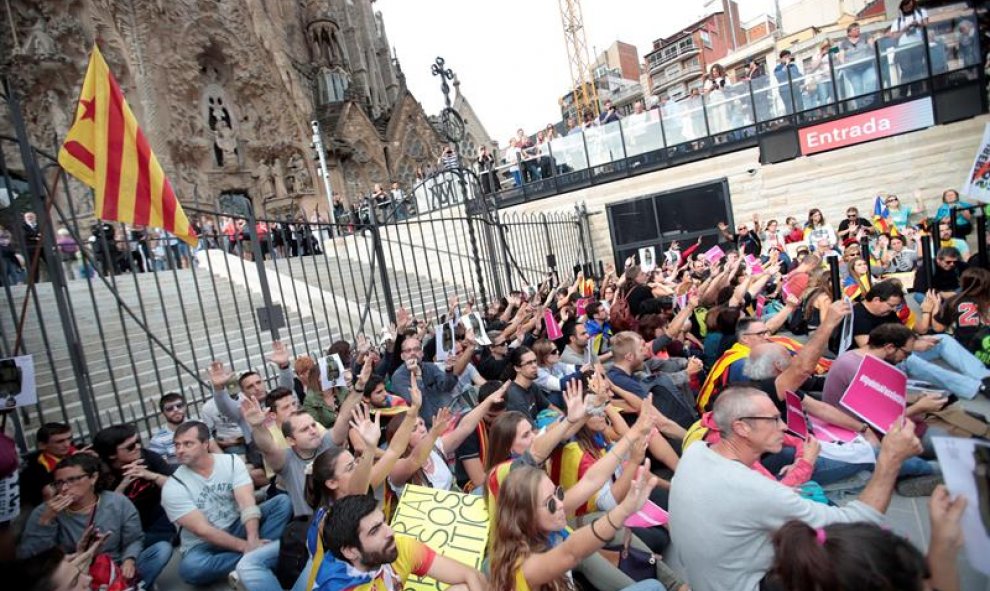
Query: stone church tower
226, 89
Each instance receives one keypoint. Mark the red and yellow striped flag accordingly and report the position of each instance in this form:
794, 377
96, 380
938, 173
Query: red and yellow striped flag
106, 149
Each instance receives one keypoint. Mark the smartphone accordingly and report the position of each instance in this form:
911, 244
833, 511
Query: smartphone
950, 400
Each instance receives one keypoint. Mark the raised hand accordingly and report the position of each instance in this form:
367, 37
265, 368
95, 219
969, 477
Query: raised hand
441, 422
498, 396
646, 419
402, 320
694, 366
415, 396
251, 411
369, 430
946, 514
639, 492
574, 400
219, 375
279, 354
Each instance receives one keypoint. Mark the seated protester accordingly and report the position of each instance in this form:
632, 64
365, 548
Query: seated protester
946, 273
815, 304
967, 314
54, 443
946, 240
524, 395
705, 522
859, 280
552, 374
364, 555
892, 343
635, 291
377, 398
226, 433
577, 350
438, 387
302, 441
80, 509
321, 404
720, 324
868, 557
425, 461
138, 474
472, 454
898, 258
599, 330
211, 498
464, 344
531, 547
51, 570
966, 375
173, 409
494, 360
300, 382
797, 280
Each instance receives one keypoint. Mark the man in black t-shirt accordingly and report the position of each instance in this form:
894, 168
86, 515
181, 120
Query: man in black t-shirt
471, 453
524, 395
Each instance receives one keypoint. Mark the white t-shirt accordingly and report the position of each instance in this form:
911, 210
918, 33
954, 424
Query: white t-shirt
186, 491
901, 23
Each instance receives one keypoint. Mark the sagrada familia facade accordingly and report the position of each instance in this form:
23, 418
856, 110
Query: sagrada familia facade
226, 91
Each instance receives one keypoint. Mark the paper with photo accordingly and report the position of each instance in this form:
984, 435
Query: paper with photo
17, 382
958, 464
476, 323
846, 336
648, 258
444, 338
331, 372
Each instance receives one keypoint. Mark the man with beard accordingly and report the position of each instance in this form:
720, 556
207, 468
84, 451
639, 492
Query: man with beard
173, 408
364, 555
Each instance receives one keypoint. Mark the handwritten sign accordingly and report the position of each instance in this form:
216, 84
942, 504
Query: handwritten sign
649, 516
714, 254
453, 524
877, 393
553, 327
796, 422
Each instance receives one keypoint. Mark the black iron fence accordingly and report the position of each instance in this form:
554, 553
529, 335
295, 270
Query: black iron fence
937, 60
117, 315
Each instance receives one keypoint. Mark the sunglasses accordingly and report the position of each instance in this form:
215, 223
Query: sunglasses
133, 445
558, 497
174, 407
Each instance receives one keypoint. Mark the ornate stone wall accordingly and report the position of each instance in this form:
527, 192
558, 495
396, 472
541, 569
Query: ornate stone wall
225, 89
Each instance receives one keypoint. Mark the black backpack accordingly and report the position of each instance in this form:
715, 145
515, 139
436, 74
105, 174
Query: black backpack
292, 552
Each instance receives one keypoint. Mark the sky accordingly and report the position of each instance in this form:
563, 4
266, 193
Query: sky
510, 55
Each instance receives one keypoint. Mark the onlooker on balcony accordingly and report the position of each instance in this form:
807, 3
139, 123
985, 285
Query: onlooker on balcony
787, 75
818, 80
856, 67
609, 114
908, 30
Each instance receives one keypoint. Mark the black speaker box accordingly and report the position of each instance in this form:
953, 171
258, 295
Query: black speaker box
779, 146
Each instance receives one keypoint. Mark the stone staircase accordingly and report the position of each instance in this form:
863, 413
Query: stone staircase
128, 372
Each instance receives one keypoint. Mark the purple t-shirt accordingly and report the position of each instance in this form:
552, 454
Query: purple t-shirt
840, 375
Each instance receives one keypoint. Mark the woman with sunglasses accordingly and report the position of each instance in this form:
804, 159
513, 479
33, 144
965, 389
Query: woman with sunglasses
531, 547
82, 512
138, 474
899, 215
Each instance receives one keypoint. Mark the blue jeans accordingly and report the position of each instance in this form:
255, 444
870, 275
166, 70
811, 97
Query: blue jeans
204, 564
152, 561
647, 585
964, 381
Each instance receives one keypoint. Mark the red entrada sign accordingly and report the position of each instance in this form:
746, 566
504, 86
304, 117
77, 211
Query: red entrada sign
865, 127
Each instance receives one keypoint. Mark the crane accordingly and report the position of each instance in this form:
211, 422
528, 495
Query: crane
585, 92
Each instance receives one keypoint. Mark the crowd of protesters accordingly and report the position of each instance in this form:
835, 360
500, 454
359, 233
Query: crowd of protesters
569, 406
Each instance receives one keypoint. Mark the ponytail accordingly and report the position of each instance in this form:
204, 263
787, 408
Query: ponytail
802, 559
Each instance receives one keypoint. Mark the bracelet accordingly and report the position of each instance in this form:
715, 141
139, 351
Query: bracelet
249, 513
596, 534
608, 518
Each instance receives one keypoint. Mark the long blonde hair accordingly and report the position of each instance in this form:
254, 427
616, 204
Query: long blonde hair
516, 533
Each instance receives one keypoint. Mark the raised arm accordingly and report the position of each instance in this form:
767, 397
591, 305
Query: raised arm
803, 364
279, 357
219, 377
469, 422
254, 416
576, 417
406, 467
400, 440
370, 431
338, 433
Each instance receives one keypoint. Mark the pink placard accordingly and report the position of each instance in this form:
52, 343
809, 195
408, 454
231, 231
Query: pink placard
830, 433
761, 302
649, 516
581, 305
714, 254
877, 393
796, 422
753, 264
553, 328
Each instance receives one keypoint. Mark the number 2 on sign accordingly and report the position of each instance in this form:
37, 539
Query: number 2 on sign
969, 314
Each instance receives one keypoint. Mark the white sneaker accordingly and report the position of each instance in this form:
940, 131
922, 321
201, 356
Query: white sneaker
235, 581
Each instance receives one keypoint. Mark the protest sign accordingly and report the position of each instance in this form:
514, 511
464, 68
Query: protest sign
17, 385
877, 393
648, 258
445, 340
754, 265
846, 335
714, 255
453, 524
331, 372
796, 423
582, 305
553, 327
649, 516
958, 459
977, 185
830, 433
761, 302
476, 323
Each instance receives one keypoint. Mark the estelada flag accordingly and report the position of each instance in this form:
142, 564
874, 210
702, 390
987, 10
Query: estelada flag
106, 149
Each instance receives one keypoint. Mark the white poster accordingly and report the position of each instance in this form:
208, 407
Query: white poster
977, 185
331, 372
476, 323
445, 341
958, 462
648, 258
17, 386
846, 337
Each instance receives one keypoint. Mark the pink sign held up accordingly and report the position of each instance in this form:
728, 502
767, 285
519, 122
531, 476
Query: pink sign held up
649, 516
714, 254
877, 393
796, 422
553, 327
830, 433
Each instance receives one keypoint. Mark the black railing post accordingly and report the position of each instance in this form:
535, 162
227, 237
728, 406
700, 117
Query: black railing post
259, 263
831, 76
926, 259
981, 237
51, 260
864, 249
833, 271
376, 243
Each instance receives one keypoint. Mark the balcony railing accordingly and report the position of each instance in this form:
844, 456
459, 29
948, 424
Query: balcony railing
681, 49
943, 58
